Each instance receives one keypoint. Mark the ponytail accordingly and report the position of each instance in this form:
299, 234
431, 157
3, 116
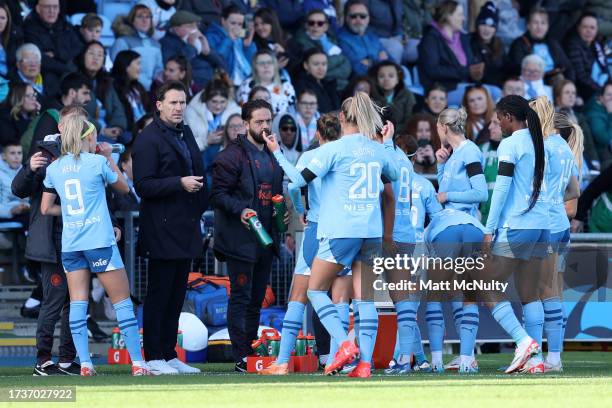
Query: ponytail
359, 110
573, 135
545, 110
74, 130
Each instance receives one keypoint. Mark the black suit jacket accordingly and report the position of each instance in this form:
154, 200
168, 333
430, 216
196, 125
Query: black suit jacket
169, 216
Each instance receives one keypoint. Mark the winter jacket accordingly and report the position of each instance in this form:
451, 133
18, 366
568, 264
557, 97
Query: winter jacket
601, 128
359, 47
221, 42
114, 114
401, 106
523, 46
582, 58
494, 65
12, 128
290, 12
328, 98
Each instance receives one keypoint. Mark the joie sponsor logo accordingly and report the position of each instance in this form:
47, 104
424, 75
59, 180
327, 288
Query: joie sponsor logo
99, 262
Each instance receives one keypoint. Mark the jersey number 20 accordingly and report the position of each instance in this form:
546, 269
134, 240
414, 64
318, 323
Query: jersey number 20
368, 183
72, 189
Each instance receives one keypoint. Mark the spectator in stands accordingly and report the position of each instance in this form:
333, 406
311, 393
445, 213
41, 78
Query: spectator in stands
162, 11
130, 201
11, 206
269, 35
513, 86
90, 29
235, 191
132, 94
55, 37
532, 74
423, 126
28, 70
565, 100
17, 112
184, 38
511, 23
362, 47
208, 10
588, 57
75, 89
480, 109
536, 41
490, 169
207, 114
105, 108
266, 73
601, 8
260, 92
328, 7
233, 43
135, 32
425, 158
9, 41
391, 91
386, 18
487, 46
316, 33
599, 114
233, 127
287, 131
314, 77
446, 55
176, 68
436, 100
359, 83
307, 114
290, 12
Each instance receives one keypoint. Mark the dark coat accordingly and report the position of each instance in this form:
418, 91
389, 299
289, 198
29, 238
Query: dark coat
523, 46
401, 106
327, 97
47, 125
437, 62
582, 58
494, 64
233, 189
169, 216
12, 128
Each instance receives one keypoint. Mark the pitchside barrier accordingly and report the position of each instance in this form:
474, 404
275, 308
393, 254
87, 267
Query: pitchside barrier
587, 285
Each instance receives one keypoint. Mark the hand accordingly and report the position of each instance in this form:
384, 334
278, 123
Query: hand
37, 161
477, 71
117, 232
442, 155
205, 45
271, 141
442, 198
250, 32
112, 132
576, 226
243, 218
303, 219
278, 48
387, 131
192, 184
20, 209
214, 137
283, 62
104, 149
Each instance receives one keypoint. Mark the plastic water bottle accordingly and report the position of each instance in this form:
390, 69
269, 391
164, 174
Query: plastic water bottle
260, 233
279, 212
117, 148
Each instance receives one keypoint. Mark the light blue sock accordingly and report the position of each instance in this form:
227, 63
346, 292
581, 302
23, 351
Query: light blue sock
553, 323
396, 349
417, 346
355, 303
292, 324
533, 313
435, 325
457, 315
564, 324
504, 315
344, 313
469, 329
78, 328
406, 325
328, 314
129, 328
368, 328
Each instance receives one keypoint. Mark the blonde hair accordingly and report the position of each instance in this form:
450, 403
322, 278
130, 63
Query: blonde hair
454, 119
575, 139
359, 110
545, 110
74, 130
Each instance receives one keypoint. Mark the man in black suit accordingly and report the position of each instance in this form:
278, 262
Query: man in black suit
168, 177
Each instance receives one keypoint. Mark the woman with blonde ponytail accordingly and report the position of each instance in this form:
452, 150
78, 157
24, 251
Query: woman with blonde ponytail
79, 177
350, 221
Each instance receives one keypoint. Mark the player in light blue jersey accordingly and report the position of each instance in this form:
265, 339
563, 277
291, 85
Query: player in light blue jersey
350, 222
518, 219
328, 130
79, 177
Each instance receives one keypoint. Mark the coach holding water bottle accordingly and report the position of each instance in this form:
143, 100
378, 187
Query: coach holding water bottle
168, 177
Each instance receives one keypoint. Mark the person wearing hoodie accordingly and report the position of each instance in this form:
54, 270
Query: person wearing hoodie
233, 43
285, 127
314, 78
135, 32
11, 206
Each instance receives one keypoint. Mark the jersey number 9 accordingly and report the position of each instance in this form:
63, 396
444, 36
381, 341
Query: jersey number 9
72, 189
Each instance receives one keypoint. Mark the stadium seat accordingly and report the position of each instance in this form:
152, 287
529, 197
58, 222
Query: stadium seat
112, 8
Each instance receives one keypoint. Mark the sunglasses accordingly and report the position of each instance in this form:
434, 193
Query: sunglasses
288, 128
319, 23
358, 15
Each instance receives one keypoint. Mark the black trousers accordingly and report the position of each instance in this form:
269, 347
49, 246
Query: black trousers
166, 286
55, 304
248, 283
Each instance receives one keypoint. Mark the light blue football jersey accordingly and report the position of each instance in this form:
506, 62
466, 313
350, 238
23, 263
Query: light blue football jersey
448, 218
80, 185
560, 166
403, 231
424, 202
314, 187
518, 150
350, 169
453, 178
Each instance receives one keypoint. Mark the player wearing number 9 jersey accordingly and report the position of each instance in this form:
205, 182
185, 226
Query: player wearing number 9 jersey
350, 221
78, 177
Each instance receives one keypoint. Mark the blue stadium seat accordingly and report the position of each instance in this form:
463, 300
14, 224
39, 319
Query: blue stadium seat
107, 38
112, 8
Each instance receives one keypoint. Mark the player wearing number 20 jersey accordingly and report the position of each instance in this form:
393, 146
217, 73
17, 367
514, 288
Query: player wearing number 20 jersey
81, 187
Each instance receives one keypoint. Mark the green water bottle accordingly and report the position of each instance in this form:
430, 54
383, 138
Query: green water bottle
179, 338
300, 344
312, 344
273, 345
279, 212
260, 233
260, 348
115, 339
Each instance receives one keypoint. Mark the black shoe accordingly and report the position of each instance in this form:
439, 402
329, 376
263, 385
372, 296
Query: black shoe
30, 312
241, 367
47, 368
97, 333
73, 369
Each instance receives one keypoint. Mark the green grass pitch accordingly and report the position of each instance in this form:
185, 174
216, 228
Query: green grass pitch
586, 382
